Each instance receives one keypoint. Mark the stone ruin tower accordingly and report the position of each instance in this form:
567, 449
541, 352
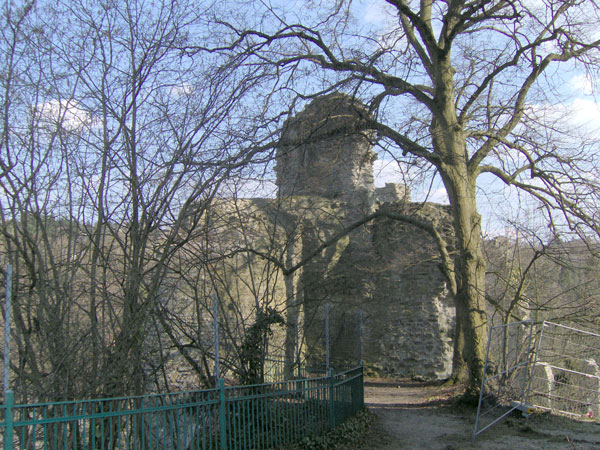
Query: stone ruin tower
325, 151
383, 270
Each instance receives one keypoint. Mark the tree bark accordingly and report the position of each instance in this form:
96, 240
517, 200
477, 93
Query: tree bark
459, 367
470, 274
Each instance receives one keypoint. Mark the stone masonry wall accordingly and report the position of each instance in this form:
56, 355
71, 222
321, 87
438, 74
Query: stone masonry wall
387, 270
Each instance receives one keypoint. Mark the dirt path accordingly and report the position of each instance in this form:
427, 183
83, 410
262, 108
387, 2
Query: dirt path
414, 415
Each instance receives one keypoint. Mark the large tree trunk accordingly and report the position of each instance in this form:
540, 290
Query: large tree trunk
470, 273
449, 143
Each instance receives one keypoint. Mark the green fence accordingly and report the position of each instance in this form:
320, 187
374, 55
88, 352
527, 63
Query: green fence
239, 417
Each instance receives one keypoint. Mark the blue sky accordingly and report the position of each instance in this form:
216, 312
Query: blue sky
577, 102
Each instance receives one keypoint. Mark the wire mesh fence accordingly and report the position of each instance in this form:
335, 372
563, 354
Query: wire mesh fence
566, 376
555, 368
503, 388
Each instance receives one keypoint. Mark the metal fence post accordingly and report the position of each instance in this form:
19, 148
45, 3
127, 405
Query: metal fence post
362, 385
327, 336
535, 360
9, 396
216, 329
358, 338
528, 376
7, 314
481, 391
9, 401
222, 416
331, 400
298, 349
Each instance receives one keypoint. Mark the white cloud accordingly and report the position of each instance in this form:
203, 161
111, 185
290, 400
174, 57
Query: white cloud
580, 117
581, 84
437, 195
386, 171
181, 90
376, 13
585, 112
64, 112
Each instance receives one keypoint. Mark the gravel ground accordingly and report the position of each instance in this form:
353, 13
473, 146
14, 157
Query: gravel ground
412, 415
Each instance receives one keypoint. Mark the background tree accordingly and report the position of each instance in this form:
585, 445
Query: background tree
462, 89
235, 258
529, 278
111, 141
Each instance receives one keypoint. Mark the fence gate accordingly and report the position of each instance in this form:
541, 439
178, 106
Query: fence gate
504, 385
566, 375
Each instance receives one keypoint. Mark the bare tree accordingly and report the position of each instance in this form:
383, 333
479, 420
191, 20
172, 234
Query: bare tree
112, 140
223, 260
555, 281
458, 88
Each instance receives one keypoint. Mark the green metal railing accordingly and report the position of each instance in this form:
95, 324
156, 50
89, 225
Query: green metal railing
240, 417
